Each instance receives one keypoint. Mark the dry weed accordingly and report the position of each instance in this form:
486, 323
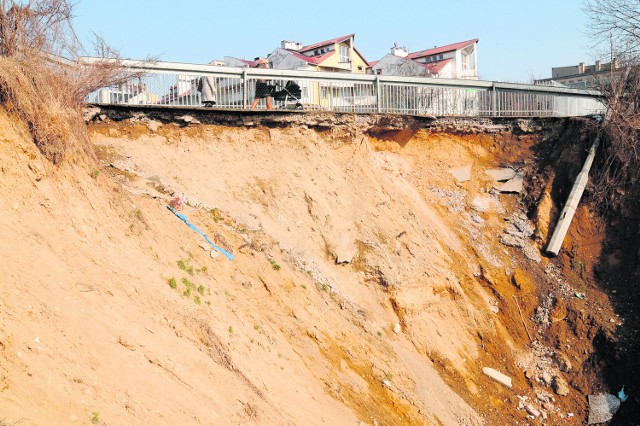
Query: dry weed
39, 85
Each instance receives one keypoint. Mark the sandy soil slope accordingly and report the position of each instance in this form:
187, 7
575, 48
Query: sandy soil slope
364, 288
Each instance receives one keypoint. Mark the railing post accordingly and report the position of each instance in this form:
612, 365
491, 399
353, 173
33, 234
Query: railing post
494, 101
244, 89
378, 96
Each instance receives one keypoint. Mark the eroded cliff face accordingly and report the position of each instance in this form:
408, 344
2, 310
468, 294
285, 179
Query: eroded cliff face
377, 269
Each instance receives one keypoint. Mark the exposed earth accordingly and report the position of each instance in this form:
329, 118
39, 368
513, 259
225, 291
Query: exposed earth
371, 281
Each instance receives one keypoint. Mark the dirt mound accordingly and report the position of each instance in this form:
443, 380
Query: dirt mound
367, 285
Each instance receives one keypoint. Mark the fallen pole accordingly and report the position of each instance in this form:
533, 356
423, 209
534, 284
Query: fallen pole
562, 227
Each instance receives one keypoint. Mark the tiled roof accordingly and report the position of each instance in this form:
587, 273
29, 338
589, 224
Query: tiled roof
436, 67
313, 59
326, 43
442, 49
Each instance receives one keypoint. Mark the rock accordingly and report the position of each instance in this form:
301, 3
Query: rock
188, 119
481, 204
512, 185
498, 376
546, 377
461, 174
560, 386
602, 408
397, 328
153, 125
501, 174
563, 362
90, 113
511, 240
532, 253
532, 410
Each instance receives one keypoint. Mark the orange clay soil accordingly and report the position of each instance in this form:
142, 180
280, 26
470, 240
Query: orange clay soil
113, 311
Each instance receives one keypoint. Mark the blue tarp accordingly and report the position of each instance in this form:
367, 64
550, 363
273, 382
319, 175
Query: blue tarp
192, 226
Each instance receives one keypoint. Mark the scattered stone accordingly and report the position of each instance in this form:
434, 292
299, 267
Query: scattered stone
188, 119
397, 328
602, 408
498, 376
532, 410
560, 386
386, 383
513, 185
501, 174
461, 174
546, 377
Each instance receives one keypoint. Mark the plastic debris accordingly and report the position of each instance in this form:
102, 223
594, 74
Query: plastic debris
192, 226
602, 408
580, 296
623, 397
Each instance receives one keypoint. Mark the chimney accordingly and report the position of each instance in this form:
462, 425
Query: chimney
581, 68
399, 51
291, 45
598, 66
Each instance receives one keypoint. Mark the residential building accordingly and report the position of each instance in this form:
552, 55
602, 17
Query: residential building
581, 76
457, 60
336, 55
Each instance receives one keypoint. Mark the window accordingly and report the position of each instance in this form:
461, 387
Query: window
344, 54
468, 59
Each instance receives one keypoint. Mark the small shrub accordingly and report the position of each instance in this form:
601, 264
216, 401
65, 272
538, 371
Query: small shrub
230, 329
184, 265
274, 265
95, 417
188, 285
173, 283
95, 174
201, 289
303, 286
324, 287
197, 300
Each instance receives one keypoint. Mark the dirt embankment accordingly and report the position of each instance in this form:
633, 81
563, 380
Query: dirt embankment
368, 285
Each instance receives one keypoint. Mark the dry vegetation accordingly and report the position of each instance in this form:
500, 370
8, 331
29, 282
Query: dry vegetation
616, 25
41, 79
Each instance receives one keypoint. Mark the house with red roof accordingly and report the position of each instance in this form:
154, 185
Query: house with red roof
336, 55
457, 60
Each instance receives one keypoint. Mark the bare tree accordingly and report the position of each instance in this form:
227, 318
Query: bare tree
42, 78
616, 21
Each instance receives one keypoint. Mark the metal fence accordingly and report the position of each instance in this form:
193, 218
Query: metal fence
163, 83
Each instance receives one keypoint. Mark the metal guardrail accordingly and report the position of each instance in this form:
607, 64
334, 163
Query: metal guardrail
165, 83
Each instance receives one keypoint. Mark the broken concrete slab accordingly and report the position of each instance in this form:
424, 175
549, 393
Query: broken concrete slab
532, 410
602, 408
461, 174
500, 175
498, 376
513, 185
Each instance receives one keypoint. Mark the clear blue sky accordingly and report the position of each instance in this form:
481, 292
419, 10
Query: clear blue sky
518, 39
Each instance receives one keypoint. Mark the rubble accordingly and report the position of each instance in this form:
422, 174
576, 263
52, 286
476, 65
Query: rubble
500, 175
514, 185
